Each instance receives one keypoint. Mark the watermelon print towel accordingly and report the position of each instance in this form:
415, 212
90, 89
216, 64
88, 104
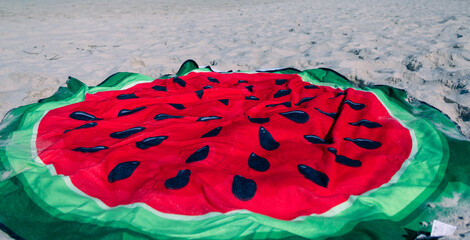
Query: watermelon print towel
222, 155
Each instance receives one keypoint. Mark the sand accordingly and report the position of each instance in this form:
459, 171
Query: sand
422, 46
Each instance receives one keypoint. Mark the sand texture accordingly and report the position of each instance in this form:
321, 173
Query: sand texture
422, 46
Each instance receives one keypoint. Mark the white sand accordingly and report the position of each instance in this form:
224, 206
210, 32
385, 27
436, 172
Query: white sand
422, 46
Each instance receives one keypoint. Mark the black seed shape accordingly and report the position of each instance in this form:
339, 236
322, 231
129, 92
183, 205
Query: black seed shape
224, 101
199, 155
366, 123
251, 98
126, 96
86, 125
177, 106
125, 112
286, 104
243, 189
90, 149
213, 79
282, 93
331, 115
163, 116
305, 99
179, 81
316, 139
159, 88
280, 81
266, 140
212, 133
364, 143
122, 171
296, 116
250, 88
199, 93
313, 175
178, 182
272, 105
311, 86
126, 133
338, 94
204, 119
258, 163
242, 81
344, 160
83, 116
207, 87
355, 106
258, 120
150, 142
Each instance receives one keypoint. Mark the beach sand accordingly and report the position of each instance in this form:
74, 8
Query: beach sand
420, 46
